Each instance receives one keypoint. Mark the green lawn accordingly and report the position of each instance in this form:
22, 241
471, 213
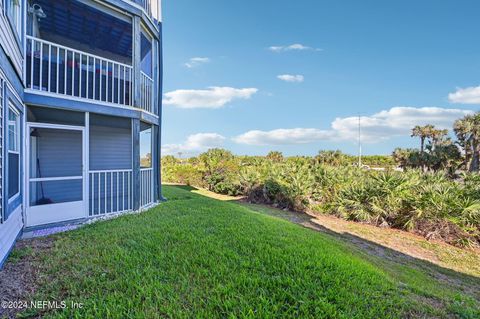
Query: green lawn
199, 257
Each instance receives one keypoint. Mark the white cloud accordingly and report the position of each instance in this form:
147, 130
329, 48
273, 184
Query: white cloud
291, 77
293, 47
196, 61
213, 98
470, 95
283, 136
397, 121
195, 143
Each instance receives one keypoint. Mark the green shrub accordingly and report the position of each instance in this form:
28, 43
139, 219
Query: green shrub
432, 204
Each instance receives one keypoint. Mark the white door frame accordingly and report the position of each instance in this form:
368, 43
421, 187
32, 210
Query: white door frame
80, 205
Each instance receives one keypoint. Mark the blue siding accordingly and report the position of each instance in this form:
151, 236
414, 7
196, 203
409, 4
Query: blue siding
10, 72
59, 153
110, 148
86, 106
56, 153
80, 106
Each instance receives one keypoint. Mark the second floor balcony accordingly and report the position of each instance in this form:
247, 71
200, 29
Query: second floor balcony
80, 52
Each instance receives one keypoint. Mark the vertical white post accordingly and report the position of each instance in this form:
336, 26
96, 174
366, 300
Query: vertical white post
49, 66
41, 67
58, 69
94, 95
106, 81
118, 84
92, 192
80, 77
88, 77
65, 76
32, 67
87, 163
100, 79
117, 192
99, 195
111, 192
130, 75
105, 194
73, 73
124, 86
113, 83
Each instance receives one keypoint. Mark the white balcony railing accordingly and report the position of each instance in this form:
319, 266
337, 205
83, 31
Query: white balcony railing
53, 68
146, 186
146, 93
110, 191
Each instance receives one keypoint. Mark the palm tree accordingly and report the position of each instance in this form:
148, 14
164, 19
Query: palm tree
423, 132
467, 130
475, 136
438, 136
462, 128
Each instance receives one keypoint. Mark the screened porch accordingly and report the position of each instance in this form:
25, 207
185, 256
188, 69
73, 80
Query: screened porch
82, 165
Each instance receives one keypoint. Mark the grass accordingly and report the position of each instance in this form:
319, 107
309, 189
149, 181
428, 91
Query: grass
466, 261
199, 257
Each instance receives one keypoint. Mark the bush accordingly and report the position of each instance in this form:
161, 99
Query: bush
431, 204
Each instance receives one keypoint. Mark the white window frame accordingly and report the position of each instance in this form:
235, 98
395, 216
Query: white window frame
17, 132
16, 19
151, 147
2, 139
149, 36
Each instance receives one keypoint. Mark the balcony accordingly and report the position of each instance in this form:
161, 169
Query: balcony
56, 69
80, 52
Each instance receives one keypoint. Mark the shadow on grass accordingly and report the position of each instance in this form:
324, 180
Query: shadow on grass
184, 187
418, 274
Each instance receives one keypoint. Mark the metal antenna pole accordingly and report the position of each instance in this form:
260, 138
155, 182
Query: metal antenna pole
359, 142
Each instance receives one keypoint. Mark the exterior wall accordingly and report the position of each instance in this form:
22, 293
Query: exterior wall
11, 43
9, 232
11, 68
109, 148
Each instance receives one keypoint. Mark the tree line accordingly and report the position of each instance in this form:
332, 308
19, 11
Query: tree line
439, 152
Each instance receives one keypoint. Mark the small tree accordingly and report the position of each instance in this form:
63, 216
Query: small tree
275, 156
334, 158
407, 157
219, 168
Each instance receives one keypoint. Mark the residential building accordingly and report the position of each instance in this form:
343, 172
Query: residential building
80, 111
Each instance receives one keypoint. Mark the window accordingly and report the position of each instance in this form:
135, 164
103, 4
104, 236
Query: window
13, 152
14, 13
146, 55
145, 146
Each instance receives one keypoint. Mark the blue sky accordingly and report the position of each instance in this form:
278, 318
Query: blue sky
253, 76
